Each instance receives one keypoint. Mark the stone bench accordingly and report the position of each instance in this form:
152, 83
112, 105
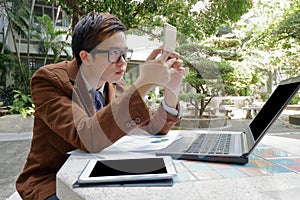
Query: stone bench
251, 111
3, 109
227, 109
294, 119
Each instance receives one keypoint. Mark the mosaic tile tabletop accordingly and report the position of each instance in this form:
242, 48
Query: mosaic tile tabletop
265, 160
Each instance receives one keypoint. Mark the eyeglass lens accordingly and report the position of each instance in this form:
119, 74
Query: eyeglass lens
115, 55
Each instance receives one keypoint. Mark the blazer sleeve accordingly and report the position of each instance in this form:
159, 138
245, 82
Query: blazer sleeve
160, 121
58, 105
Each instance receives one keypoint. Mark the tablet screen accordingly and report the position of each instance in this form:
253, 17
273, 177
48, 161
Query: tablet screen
128, 167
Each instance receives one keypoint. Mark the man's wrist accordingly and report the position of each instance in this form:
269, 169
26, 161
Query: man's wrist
170, 99
173, 111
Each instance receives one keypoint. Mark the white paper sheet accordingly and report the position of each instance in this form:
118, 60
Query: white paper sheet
137, 142
140, 143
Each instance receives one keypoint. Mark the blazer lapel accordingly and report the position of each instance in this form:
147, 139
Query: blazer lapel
80, 93
116, 89
82, 96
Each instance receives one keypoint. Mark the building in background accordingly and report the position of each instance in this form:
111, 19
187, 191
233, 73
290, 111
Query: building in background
58, 17
141, 45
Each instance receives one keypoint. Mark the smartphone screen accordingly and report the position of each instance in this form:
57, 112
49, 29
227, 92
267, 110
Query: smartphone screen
169, 40
129, 167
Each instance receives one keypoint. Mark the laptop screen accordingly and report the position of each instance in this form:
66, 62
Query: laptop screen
273, 108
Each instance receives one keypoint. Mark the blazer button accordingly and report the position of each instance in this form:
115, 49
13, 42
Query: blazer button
133, 123
128, 124
137, 120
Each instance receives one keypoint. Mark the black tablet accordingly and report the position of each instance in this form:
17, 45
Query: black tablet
118, 170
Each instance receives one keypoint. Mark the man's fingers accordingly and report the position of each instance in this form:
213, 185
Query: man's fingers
165, 56
170, 62
154, 54
178, 63
175, 55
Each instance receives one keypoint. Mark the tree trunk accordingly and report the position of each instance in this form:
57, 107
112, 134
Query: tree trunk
4, 39
28, 38
16, 49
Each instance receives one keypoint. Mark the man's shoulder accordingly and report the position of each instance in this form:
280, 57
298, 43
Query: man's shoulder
61, 69
54, 76
52, 67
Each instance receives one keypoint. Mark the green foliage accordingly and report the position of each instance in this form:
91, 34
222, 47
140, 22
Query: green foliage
199, 101
49, 38
272, 44
7, 95
226, 43
289, 27
264, 96
19, 21
8, 62
295, 100
22, 104
8, 65
193, 21
19, 17
22, 82
151, 95
208, 78
228, 11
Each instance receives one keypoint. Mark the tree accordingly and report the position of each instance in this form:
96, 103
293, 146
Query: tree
49, 38
18, 15
289, 27
208, 78
286, 36
7, 63
192, 18
270, 36
31, 16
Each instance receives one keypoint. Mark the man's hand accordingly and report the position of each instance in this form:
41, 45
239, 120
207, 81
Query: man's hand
155, 71
173, 85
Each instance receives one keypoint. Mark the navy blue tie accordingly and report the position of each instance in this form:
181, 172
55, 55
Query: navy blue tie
97, 100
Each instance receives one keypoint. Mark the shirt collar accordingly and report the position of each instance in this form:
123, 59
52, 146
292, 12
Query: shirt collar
88, 85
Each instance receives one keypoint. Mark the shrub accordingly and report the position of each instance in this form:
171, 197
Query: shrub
22, 104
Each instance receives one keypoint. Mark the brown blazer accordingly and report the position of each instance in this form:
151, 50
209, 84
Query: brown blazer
65, 120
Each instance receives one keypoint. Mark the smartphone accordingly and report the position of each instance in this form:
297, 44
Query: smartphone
169, 37
120, 170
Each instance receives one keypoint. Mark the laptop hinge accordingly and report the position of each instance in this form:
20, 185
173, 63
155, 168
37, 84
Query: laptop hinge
245, 148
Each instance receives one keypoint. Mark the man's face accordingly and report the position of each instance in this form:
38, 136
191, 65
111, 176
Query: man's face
100, 68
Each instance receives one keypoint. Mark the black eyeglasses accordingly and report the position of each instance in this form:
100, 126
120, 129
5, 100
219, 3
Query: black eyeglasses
114, 55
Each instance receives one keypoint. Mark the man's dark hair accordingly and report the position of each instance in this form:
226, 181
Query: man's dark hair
92, 29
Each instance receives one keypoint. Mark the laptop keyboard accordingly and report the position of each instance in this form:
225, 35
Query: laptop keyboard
210, 144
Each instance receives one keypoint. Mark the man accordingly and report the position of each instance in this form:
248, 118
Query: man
83, 104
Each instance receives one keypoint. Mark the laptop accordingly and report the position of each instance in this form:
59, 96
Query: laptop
234, 147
